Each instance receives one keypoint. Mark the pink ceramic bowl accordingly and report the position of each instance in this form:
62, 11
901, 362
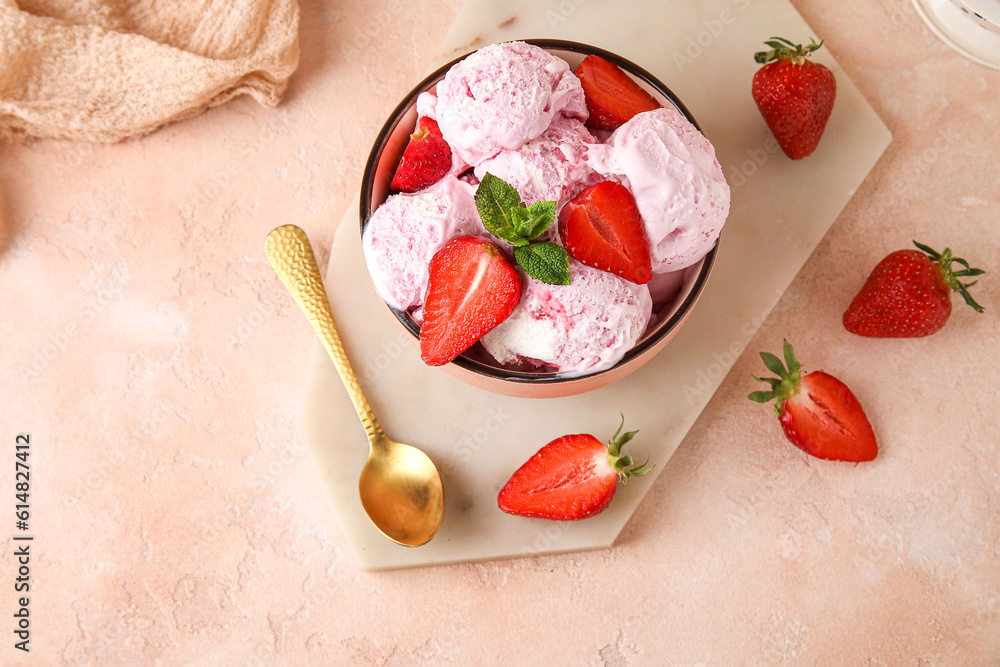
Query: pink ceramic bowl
475, 366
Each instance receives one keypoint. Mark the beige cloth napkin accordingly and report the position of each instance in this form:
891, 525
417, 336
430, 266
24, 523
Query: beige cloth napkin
104, 70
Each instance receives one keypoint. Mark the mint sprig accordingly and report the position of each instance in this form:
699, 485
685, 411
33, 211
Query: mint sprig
530, 222
545, 261
505, 216
496, 201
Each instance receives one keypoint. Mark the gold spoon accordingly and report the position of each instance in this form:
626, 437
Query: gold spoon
400, 487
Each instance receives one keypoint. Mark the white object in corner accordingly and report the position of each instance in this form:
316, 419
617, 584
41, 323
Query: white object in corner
971, 27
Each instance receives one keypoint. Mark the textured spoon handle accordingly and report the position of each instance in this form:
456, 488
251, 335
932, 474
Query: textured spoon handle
291, 255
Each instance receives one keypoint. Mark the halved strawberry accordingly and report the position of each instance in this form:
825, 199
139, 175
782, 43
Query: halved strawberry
601, 227
612, 97
425, 161
818, 413
471, 288
572, 477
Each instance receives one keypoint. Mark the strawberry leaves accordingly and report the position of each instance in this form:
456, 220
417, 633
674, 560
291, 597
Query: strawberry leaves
950, 277
505, 216
783, 48
621, 463
786, 384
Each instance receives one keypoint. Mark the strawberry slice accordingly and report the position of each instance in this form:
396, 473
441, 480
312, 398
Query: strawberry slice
601, 227
818, 413
471, 288
612, 97
425, 161
571, 478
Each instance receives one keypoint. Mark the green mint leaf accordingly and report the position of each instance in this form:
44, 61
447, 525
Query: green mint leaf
530, 222
520, 218
547, 262
540, 217
494, 200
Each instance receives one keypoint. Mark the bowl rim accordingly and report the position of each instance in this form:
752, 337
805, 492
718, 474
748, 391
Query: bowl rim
494, 372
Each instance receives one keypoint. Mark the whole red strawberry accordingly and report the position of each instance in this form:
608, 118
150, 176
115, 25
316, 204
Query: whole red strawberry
794, 95
425, 161
572, 477
818, 413
601, 227
471, 288
612, 97
908, 294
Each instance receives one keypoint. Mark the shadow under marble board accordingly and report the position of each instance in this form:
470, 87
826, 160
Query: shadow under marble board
702, 50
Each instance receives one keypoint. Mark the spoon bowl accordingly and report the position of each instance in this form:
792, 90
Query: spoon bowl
401, 493
400, 487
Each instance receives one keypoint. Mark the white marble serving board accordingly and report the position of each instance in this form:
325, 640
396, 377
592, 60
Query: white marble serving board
702, 50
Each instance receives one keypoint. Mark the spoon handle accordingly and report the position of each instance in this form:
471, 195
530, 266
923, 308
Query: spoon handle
291, 255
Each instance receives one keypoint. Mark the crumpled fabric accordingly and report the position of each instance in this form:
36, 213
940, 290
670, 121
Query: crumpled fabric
106, 70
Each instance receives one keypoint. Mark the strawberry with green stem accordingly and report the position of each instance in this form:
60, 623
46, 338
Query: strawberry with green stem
908, 294
795, 95
570, 478
817, 412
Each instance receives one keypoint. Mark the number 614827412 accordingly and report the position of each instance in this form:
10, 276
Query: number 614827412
22, 479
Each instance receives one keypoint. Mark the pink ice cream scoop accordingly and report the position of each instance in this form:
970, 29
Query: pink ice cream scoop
677, 182
551, 167
584, 327
502, 96
404, 233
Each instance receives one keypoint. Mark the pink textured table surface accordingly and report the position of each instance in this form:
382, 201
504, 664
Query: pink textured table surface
158, 367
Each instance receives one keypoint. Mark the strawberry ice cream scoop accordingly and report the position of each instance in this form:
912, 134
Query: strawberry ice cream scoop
502, 96
404, 233
551, 167
584, 327
676, 180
